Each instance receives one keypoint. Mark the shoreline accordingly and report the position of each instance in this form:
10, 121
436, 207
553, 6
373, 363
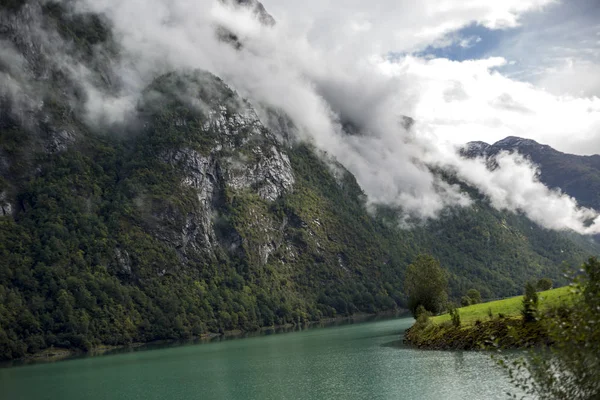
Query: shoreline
493, 334
55, 354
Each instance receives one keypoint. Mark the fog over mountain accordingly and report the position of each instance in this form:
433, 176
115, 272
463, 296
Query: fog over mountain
279, 69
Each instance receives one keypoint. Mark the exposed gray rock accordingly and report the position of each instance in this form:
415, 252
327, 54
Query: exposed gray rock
271, 176
267, 237
59, 140
6, 208
200, 172
190, 234
245, 157
196, 229
123, 260
475, 149
255, 163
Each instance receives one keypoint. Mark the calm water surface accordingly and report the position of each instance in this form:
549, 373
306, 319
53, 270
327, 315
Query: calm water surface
357, 361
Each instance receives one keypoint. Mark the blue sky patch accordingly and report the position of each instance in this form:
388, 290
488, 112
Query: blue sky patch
472, 42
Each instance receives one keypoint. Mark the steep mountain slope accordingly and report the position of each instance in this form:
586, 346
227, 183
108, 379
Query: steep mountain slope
578, 176
194, 217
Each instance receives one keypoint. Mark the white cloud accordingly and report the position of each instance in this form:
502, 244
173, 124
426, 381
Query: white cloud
514, 186
471, 100
321, 82
576, 77
395, 25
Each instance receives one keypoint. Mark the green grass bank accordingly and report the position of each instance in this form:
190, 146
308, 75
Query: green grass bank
494, 324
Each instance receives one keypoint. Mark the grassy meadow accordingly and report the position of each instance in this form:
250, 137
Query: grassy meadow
510, 307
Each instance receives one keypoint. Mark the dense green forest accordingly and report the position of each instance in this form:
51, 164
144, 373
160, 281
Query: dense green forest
195, 219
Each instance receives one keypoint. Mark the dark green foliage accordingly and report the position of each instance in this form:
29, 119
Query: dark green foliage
63, 281
82, 262
346, 246
570, 368
474, 295
426, 284
422, 318
544, 284
496, 251
530, 303
421, 311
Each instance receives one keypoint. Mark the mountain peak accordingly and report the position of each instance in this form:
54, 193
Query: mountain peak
510, 143
515, 141
475, 149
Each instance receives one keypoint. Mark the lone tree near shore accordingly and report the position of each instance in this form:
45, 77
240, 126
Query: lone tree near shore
426, 284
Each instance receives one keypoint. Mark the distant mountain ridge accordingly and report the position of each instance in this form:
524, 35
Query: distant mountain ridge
577, 176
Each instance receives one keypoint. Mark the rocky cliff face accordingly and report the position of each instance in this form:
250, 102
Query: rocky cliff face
242, 157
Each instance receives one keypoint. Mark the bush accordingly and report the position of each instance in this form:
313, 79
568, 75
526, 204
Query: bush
422, 312
422, 316
474, 295
465, 301
544, 284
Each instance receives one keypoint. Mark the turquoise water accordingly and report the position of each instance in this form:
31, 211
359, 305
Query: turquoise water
357, 361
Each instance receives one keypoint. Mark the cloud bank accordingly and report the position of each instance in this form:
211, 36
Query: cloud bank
342, 78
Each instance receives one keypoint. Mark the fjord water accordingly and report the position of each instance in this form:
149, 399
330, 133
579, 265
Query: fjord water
356, 361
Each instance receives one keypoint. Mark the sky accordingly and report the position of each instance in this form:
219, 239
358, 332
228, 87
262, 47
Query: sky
486, 69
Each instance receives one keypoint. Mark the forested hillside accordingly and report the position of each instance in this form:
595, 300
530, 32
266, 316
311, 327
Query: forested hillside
196, 217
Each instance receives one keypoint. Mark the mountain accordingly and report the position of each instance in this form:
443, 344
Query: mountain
578, 176
194, 216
